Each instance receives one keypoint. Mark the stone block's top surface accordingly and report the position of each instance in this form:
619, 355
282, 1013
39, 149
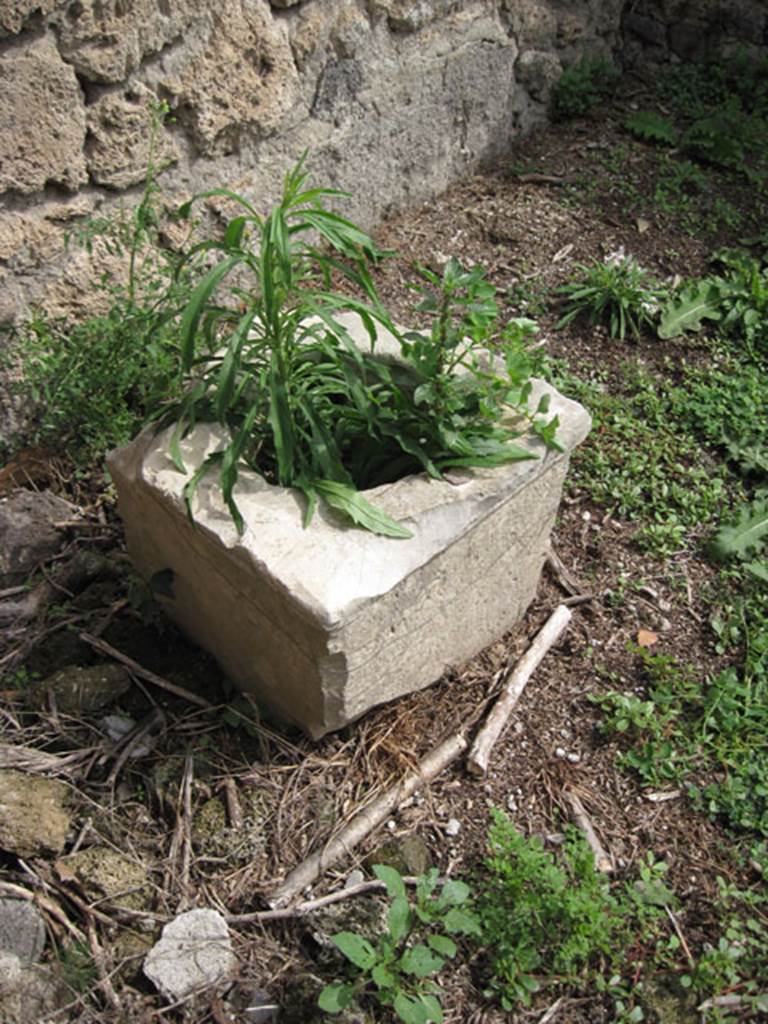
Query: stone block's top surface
332, 567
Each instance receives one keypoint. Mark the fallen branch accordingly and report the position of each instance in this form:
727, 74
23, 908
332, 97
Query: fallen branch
477, 761
143, 673
308, 906
367, 819
603, 861
28, 759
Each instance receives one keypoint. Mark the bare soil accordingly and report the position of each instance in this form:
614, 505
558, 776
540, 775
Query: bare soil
562, 197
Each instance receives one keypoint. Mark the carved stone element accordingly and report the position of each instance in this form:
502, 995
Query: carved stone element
42, 120
326, 622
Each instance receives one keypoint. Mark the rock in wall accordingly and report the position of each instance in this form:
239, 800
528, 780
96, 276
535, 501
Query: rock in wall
393, 98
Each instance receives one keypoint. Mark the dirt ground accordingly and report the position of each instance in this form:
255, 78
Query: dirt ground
559, 199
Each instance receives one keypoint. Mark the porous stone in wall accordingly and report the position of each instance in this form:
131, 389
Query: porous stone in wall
30, 239
105, 40
120, 136
42, 120
15, 13
410, 16
243, 80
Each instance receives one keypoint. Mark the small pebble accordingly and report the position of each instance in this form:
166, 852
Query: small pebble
511, 803
573, 758
354, 878
453, 827
559, 752
391, 824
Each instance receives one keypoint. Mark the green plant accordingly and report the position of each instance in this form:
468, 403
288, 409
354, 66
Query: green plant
582, 86
618, 291
541, 918
651, 127
399, 970
550, 919
92, 382
300, 402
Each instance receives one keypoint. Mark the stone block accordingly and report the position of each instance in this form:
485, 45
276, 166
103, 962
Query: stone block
323, 623
36, 83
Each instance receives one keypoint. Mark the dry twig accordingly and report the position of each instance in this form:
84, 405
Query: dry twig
367, 819
143, 673
477, 760
603, 861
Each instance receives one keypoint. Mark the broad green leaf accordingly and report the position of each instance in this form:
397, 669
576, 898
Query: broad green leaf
758, 569
410, 1010
336, 997
461, 922
356, 949
383, 978
686, 311
454, 892
399, 918
433, 1008
442, 945
393, 880
421, 961
360, 511
747, 534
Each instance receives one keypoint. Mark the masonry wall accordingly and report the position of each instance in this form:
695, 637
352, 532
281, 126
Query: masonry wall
394, 99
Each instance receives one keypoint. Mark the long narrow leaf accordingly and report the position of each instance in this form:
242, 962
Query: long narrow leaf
196, 306
360, 511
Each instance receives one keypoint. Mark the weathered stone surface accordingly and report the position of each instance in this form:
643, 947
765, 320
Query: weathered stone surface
29, 240
107, 874
538, 71
243, 80
27, 533
337, 620
194, 953
118, 150
532, 22
105, 40
29, 993
79, 689
407, 16
33, 815
40, 93
22, 930
14, 13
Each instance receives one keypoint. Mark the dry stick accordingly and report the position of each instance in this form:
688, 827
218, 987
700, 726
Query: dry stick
40, 761
367, 819
552, 1011
97, 954
154, 720
143, 673
46, 904
308, 906
603, 861
186, 810
679, 931
477, 760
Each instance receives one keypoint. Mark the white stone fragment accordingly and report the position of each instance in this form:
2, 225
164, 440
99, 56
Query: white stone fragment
193, 954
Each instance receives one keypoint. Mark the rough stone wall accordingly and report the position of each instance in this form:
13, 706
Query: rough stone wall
662, 30
394, 99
